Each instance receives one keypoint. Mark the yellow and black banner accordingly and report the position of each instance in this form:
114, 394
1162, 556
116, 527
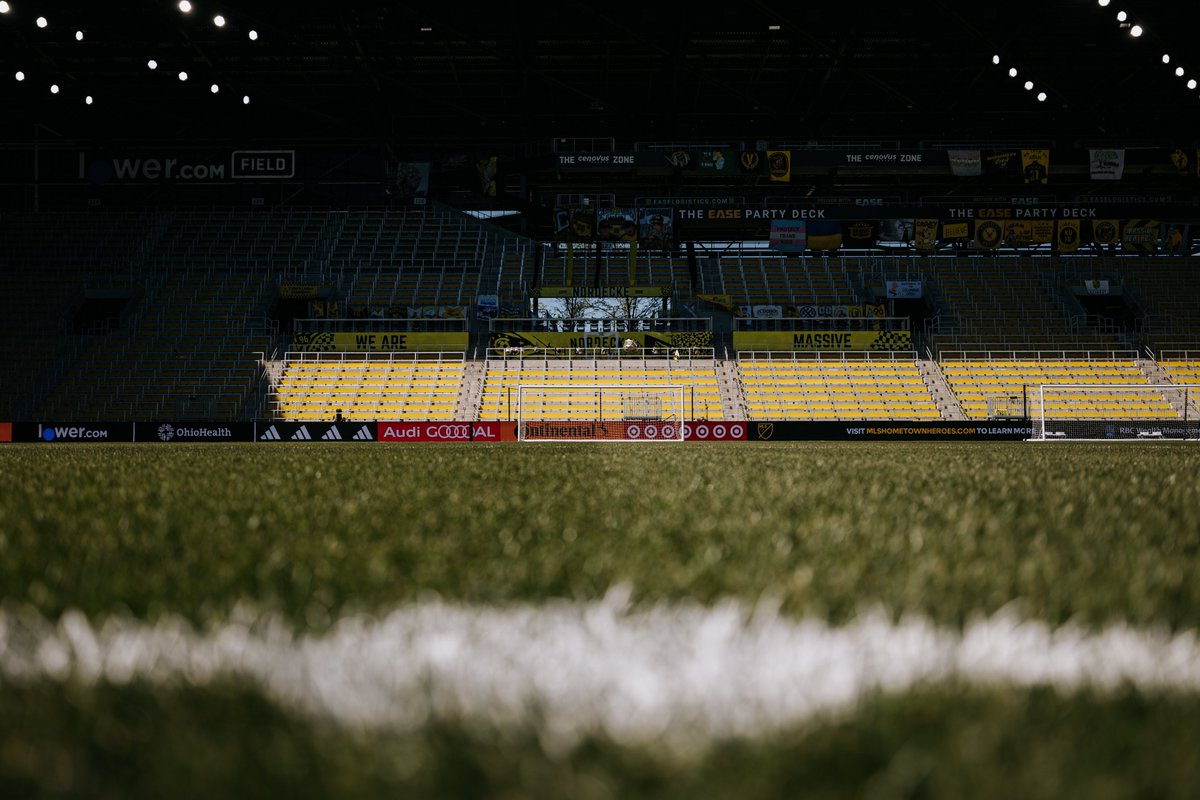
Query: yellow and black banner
1106, 231
395, 342
988, 234
724, 301
298, 291
956, 230
1066, 239
861, 233
1181, 160
1140, 236
822, 340
779, 165
1018, 233
925, 234
1035, 165
1043, 231
528, 341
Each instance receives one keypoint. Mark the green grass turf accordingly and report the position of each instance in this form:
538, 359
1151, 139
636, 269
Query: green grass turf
1090, 533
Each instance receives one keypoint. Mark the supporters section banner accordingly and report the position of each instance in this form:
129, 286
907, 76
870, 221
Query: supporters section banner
608, 340
1176, 239
988, 234
374, 342
1043, 231
956, 230
410, 179
750, 161
311, 431
1018, 233
788, 235
1106, 163
437, 312
453, 431
822, 340
714, 161
1140, 236
486, 169
1096, 286
600, 292
1180, 160
574, 223
965, 163
896, 230
779, 165
1067, 236
1002, 164
882, 430
175, 432
656, 229
1106, 231
1035, 166
616, 225
904, 290
861, 233
925, 234
824, 235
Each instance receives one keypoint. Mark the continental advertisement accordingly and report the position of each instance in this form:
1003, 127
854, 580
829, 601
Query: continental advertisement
361, 342
608, 340
822, 340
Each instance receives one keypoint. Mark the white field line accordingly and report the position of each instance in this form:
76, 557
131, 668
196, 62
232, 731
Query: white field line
681, 675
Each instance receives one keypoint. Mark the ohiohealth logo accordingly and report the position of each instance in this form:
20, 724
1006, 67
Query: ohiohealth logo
166, 432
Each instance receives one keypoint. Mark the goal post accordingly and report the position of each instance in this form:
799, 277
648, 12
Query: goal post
1115, 412
611, 413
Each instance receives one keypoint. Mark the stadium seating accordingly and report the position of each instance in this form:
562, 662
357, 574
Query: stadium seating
800, 386
423, 386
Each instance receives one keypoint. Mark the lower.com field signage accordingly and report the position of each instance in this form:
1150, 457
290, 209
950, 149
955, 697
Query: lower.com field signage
442, 432
92, 432
314, 432
175, 432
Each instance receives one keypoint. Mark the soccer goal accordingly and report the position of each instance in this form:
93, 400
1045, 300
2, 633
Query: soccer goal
586, 413
1116, 412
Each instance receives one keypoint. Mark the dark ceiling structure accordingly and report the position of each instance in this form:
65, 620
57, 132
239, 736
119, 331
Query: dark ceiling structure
422, 77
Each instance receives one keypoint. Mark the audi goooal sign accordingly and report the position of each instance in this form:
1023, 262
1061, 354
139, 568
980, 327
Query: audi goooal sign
439, 431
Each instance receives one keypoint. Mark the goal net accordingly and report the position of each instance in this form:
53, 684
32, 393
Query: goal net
585, 413
1115, 412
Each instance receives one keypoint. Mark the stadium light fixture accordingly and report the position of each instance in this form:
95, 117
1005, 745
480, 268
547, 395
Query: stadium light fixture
88, 100
54, 88
253, 36
1179, 71
183, 76
1191, 83
1012, 72
42, 22
996, 59
245, 99
1103, 3
4, 7
20, 76
1122, 16
772, 27
214, 88
1028, 85
185, 6
1041, 97
1136, 31
79, 36
219, 21
1166, 58
152, 64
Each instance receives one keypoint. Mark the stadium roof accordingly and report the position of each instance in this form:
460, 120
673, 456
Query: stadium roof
427, 75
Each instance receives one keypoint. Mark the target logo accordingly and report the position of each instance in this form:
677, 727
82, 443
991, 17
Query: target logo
714, 432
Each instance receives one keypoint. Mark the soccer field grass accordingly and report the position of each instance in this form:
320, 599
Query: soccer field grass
732, 620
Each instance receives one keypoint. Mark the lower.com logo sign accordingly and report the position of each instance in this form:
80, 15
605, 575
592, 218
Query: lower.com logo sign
71, 433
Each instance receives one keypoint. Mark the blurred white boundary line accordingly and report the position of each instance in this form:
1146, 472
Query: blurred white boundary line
679, 675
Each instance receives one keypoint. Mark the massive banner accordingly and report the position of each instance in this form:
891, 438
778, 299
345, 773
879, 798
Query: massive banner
327, 342
822, 340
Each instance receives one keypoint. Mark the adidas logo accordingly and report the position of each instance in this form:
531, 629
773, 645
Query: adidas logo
332, 435
271, 435
363, 435
302, 434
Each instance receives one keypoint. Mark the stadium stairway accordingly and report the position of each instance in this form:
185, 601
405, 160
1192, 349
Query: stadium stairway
940, 390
